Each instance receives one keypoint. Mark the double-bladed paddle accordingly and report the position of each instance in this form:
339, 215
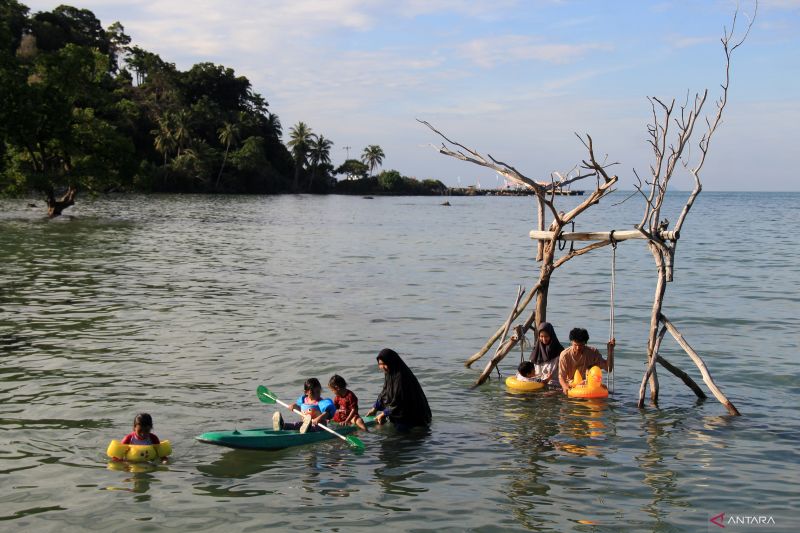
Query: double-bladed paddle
267, 396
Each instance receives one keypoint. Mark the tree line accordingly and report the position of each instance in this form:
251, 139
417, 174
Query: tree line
82, 108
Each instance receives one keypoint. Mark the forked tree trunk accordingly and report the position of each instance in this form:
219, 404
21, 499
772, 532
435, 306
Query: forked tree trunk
56, 206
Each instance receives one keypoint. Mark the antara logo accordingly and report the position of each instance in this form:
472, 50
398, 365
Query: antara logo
741, 520
718, 520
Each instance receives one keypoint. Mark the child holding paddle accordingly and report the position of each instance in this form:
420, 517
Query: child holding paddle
316, 409
346, 403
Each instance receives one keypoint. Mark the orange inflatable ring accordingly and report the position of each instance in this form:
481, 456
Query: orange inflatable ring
592, 388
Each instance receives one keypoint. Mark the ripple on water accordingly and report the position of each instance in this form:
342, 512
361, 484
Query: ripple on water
181, 306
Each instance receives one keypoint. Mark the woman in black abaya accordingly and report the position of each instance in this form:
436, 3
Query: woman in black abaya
401, 400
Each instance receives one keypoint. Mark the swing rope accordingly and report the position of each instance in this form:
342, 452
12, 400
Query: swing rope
523, 343
611, 325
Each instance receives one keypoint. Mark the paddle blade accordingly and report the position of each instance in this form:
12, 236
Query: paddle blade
265, 395
355, 442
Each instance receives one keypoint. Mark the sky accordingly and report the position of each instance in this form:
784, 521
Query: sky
517, 79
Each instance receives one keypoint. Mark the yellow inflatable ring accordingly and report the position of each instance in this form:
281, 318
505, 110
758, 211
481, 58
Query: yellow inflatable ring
593, 388
138, 453
523, 386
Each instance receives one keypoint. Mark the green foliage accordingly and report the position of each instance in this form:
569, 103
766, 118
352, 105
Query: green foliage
80, 106
250, 157
352, 169
390, 180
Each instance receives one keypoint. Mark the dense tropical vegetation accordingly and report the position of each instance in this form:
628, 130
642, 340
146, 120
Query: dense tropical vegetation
82, 109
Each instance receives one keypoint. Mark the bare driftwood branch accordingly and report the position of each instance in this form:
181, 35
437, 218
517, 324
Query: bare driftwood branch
683, 376
670, 137
667, 159
701, 365
489, 343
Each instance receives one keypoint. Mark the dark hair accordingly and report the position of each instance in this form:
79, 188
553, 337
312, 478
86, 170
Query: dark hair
579, 335
525, 368
311, 383
144, 420
337, 381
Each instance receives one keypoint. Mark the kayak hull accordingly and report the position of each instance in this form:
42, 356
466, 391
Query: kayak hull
269, 439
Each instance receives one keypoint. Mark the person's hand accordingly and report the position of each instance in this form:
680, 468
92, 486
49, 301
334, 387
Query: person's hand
565, 389
380, 419
164, 460
612, 342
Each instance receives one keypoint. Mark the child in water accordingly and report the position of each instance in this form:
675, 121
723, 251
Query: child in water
316, 409
526, 371
142, 433
346, 403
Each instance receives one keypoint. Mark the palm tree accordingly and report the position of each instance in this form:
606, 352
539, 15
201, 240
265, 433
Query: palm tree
372, 157
228, 133
274, 125
164, 140
180, 129
320, 154
299, 139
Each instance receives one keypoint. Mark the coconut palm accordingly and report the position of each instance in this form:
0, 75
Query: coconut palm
274, 125
179, 123
228, 133
320, 154
372, 157
163, 139
299, 139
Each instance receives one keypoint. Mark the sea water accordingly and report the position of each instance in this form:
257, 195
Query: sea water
181, 306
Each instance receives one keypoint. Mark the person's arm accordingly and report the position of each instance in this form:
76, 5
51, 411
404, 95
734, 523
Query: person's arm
384, 412
562, 372
375, 407
610, 347
563, 383
596, 360
126, 439
352, 409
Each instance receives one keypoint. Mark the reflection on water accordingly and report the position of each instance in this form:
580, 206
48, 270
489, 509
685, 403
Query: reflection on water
140, 480
399, 457
180, 306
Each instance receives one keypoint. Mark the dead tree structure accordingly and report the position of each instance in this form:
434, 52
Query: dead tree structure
671, 133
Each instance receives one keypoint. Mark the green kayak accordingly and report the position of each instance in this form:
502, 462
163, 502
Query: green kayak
269, 439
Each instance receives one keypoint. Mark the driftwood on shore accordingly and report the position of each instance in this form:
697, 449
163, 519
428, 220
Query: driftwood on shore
671, 153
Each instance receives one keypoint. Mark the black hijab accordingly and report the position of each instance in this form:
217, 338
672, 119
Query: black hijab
402, 392
546, 352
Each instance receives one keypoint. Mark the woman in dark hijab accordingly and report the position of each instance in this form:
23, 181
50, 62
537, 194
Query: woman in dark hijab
545, 353
401, 400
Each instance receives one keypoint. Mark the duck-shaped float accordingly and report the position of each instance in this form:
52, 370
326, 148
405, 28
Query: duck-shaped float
592, 388
138, 453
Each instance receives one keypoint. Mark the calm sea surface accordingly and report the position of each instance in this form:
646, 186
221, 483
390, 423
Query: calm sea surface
182, 305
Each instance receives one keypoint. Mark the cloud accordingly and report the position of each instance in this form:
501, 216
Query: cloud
361, 71
494, 51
